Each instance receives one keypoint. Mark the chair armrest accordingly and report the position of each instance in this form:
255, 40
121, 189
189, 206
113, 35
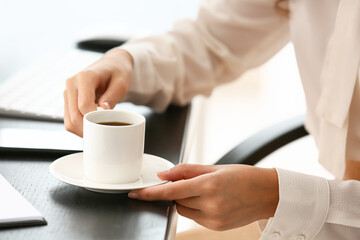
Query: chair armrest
258, 146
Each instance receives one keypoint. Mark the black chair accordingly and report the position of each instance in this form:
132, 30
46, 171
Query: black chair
258, 146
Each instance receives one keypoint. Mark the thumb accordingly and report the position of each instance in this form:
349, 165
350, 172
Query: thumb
105, 104
186, 171
116, 90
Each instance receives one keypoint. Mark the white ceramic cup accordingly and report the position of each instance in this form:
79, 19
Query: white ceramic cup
113, 154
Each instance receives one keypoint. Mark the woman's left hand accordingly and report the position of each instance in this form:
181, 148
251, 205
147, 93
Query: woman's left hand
218, 197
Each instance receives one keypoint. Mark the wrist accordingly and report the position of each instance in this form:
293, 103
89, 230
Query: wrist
270, 193
120, 54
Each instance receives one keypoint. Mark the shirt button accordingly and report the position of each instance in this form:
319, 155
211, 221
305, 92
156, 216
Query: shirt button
275, 236
300, 237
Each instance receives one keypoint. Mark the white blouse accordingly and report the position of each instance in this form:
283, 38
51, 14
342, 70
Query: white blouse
231, 36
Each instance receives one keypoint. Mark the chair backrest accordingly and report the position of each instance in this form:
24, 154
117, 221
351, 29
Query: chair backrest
258, 146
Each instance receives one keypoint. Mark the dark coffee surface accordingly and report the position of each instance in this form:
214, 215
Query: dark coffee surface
115, 123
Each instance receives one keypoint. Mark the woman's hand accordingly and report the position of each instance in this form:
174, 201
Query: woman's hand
218, 197
104, 82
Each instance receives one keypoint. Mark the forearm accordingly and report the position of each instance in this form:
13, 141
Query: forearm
228, 38
315, 207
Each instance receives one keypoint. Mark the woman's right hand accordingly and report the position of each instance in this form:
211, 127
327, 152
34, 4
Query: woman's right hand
104, 83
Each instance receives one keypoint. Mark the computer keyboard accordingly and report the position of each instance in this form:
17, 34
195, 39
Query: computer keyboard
37, 91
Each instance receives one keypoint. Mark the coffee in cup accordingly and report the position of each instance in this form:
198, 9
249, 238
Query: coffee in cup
114, 123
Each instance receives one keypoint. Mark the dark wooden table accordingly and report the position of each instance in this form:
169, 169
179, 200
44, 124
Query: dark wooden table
76, 213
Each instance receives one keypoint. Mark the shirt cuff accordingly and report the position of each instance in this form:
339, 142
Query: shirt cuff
302, 209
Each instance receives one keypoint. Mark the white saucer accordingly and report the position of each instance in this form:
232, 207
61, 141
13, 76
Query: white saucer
69, 169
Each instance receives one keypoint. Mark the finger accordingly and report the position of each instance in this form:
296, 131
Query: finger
88, 83
75, 115
187, 212
166, 192
67, 121
186, 171
115, 91
191, 202
105, 104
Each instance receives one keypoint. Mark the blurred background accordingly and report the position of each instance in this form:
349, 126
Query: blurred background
61, 23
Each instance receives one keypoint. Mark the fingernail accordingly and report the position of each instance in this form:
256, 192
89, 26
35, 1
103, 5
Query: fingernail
133, 195
163, 172
107, 105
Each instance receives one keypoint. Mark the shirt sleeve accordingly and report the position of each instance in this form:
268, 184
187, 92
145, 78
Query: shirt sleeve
312, 207
227, 38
